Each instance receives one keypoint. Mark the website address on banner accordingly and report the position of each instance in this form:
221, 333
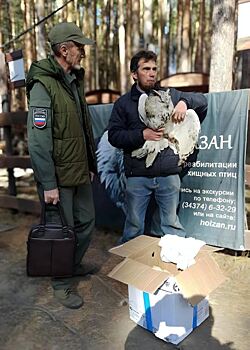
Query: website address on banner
221, 225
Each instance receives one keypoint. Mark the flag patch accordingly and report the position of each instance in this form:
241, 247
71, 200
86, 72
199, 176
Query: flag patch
40, 117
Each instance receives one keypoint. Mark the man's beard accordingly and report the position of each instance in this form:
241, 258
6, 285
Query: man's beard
144, 88
148, 88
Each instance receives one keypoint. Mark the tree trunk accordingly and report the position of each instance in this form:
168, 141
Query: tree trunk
8, 27
207, 37
222, 46
179, 37
245, 79
96, 59
87, 28
185, 54
128, 39
200, 38
3, 79
40, 30
28, 36
71, 12
162, 14
2, 22
171, 46
107, 53
116, 83
122, 54
135, 26
169, 37
147, 23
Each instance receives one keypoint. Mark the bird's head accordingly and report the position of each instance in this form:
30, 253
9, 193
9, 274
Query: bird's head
159, 105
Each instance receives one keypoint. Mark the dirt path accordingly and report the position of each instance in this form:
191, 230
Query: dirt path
30, 319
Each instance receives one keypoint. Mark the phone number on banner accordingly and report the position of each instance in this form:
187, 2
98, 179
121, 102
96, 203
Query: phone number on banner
204, 206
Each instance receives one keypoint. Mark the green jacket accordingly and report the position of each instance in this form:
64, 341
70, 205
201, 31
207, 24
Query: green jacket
60, 138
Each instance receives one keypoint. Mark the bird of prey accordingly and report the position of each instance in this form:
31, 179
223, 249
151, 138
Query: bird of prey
155, 111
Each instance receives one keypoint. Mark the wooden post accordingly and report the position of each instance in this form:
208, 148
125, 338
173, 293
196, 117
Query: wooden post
3, 85
6, 133
8, 146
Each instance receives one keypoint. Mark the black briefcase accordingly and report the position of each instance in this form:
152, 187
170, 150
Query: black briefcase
51, 247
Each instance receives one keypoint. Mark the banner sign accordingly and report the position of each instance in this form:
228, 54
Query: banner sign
212, 200
212, 205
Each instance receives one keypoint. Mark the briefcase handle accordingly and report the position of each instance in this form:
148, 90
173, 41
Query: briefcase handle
60, 210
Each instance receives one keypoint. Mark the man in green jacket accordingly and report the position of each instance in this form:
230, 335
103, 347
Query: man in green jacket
61, 143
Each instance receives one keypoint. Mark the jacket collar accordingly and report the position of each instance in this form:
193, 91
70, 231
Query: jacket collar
135, 93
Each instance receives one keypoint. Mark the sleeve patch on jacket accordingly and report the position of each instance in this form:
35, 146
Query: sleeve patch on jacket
40, 116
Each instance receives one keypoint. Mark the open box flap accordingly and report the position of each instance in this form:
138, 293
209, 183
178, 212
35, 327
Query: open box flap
134, 246
141, 269
200, 279
143, 242
210, 248
139, 275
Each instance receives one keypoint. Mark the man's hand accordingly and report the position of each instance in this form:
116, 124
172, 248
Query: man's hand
179, 113
51, 196
153, 135
91, 175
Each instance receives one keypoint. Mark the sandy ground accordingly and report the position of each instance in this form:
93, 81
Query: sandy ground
31, 319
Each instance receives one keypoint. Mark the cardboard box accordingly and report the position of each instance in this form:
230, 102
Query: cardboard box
168, 302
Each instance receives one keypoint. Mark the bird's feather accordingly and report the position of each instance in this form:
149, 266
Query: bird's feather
111, 170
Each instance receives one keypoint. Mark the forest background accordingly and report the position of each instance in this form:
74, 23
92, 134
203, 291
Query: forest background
188, 36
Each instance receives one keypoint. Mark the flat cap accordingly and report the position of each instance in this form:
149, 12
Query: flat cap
68, 31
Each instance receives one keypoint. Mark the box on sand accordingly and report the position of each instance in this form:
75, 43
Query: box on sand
166, 301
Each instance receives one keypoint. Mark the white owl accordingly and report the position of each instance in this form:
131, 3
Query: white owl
155, 111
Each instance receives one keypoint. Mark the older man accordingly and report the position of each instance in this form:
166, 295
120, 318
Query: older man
60, 141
